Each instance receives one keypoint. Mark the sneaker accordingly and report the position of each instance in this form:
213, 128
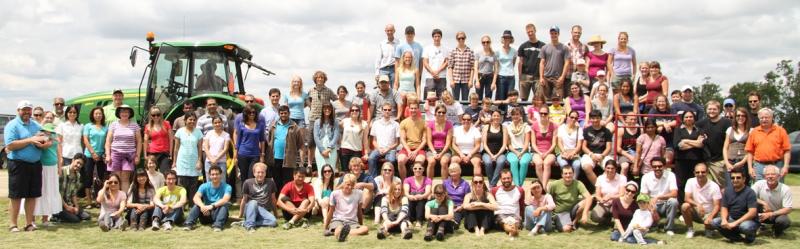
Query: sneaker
250, 229
407, 235
327, 233
168, 226
103, 227
428, 237
187, 228
304, 223
381, 234
155, 226
237, 224
689, 233
670, 233
343, 234
217, 229
288, 225
661, 242
47, 224
124, 225
440, 236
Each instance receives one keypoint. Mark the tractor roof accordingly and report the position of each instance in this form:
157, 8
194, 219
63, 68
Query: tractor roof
243, 52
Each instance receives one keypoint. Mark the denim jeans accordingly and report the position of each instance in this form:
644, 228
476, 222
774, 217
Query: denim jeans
258, 216
668, 208
504, 84
222, 166
217, 217
748, 228
759, 168
461, 91
576, 165
543, 220
492, 169
173, 217
375, 156
519, 166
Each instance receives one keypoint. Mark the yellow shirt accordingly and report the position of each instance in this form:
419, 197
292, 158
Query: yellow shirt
171, 197
557, 114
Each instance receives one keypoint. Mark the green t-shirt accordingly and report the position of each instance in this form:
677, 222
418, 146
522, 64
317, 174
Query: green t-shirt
565, 196
434, 204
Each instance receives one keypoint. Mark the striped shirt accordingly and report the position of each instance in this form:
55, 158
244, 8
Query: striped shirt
461, 64
124, 137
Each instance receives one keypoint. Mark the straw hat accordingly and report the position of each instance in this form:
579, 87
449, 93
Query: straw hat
596, 38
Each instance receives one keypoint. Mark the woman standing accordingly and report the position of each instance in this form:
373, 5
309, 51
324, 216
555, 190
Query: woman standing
249, 141
576, 101
326, 138
519, 139
215, 145
688, 144
50, 201
598, 59
486, 67
570, 136
640, 84
158, 139
355, 135
733, 149
648, 146
543, 142
439, 133
418, 190
69, 135
341, 106
466, 145
112, 203
505, 57
539, 210
623, 59
296, 100
385, 182
480, 206
656, 83
187, 161
407, 80
94, 140
125, 145
140, 201
494, 141
609, 186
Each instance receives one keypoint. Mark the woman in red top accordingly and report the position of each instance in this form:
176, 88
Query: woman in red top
158, 139
598, 59
657, 83
543, 142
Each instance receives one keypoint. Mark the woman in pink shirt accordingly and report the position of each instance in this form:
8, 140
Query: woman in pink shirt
417, 189
539, 210
158, 139
440, 136
543, 142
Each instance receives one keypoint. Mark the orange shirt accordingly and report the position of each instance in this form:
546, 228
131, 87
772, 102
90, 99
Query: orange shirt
767, 146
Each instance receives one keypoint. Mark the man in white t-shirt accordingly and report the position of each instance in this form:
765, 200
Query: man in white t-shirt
434, 66
663, 191
702, 201
385, 133
509, 200
774, 201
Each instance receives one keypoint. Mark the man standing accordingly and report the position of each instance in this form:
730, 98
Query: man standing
384, 95
210, 202
385, 134
701, 202
434, 63
258, 200
774, 201
570, 207
212, 110
179, 122
111, 109
409, 45
24, 165
528, 67
768, 144
754, 102
715, 126
510, 199
285, 142
296, 200
662, 188
739, 211
461, 64
384, 64
270, 111
687, 104
577, 50
554, 65
319, 95
58, 108
729, 109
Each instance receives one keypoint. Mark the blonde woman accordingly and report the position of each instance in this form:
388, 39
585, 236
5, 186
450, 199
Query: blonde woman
407, 80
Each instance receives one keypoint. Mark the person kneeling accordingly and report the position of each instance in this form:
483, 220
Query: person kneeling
210, 202
70, 184
345, 215
439, 213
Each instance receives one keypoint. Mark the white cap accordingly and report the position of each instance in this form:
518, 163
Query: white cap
601, 72
687, 88
580, 62
24, 104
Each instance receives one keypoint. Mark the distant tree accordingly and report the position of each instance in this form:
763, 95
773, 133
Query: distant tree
707, 91
770, 97
787, 78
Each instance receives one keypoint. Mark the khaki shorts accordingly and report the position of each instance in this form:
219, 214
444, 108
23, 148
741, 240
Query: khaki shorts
338, 223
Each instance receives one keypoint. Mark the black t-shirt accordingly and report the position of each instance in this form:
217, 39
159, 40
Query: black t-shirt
596, 139
529, 53
738, 202
262, 193
474, 113
690, 154
716, 137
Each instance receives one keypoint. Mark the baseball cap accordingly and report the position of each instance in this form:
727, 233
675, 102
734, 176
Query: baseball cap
383, 78
581, 62
50, 127
117, 91
643, 198
555, 28
24, 104
728, 101
601, 72
687, 88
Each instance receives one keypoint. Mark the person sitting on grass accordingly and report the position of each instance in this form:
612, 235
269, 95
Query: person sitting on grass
112, 200
479, 206
394, 210
640, 222
539, 211
439, 213
510, 200
169, 201
210, 202
296, 200
570, 208
345, 213
140, 205
364, 182
69, 186
258, 200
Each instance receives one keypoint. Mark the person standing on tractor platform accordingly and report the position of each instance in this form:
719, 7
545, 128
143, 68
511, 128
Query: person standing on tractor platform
111, 109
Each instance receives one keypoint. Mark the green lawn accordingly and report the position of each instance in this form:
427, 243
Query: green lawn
87, 235
792, 179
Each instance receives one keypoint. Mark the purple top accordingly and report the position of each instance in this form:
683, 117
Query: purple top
578, 105
456, 193
124, 137
412, 185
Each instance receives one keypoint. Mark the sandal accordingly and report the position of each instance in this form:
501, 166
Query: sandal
30, 228
13, 229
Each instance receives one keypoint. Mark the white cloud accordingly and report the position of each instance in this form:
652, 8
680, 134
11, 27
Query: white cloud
68, 48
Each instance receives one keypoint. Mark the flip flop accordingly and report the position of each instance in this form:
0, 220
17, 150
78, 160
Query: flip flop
13, 229
30, 228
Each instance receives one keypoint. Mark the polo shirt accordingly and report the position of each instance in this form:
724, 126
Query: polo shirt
767, 146
18, 130
705, 195
738, 202
658, 186
778, 198
457, 192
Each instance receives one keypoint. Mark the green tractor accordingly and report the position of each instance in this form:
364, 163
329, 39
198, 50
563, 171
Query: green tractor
180, 72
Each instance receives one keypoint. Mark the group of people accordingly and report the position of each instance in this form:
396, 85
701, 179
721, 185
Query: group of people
591, 112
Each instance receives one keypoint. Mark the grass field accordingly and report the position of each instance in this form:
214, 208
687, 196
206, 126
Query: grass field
87, 235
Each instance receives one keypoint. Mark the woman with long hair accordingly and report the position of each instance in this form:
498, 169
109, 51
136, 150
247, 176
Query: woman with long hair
439, 133
158, 139
543, 144
622, 60
733, 153
326, 138
519, 141
384, 183
394, 212
649, 145
417, 189
341, 106
486, 67
625, 100
355, 137
140, 201
248, 139
94, 140
569, 139
407, 78
112, 204
655, 83
666, 125
215, 146
296, 100
494, 141
323, 187
480, 205
609, 186
576, 101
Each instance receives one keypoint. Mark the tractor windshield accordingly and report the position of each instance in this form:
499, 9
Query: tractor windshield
210, 72
169, 79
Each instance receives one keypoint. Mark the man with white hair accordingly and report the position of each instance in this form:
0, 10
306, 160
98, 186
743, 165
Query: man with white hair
384, 63
768, 144
774, 201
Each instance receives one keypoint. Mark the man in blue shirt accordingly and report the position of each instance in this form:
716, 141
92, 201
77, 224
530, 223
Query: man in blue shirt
410, 45
24, 168
738, 213
210, 202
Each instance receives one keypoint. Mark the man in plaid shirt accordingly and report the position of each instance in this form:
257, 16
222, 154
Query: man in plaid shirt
461, 64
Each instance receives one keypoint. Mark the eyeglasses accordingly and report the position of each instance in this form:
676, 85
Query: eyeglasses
477, 182
632, 191
387, 110
58, 104
736, 177
155, 115
461, 38
387, 170
485, 42
466, 119
573, 117
543, 113
37, 115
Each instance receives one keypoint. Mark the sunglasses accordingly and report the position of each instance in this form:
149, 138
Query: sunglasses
441, 113
485, 42
37, 115
387, 110
632, 191
417, 168
544, 113
249, 101
573, 117
477, 182
155, 115
461, 38
113, 182
387, 170
58, 104
466, 119
438, 193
